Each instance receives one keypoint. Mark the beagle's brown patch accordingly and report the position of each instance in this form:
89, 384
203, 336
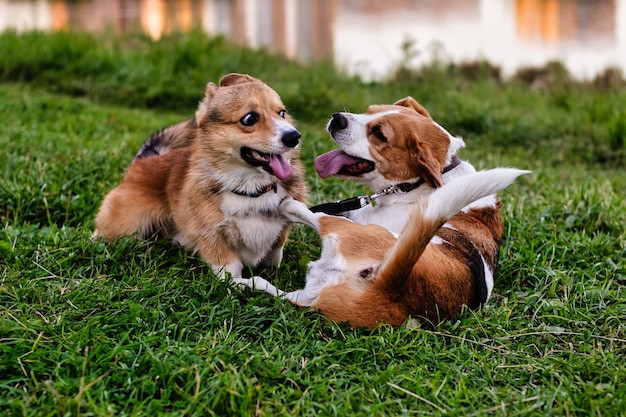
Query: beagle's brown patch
448, 223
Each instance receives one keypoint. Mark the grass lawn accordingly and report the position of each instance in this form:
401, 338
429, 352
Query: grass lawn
143, 328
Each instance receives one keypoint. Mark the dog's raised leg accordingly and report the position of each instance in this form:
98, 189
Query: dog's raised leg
298, 212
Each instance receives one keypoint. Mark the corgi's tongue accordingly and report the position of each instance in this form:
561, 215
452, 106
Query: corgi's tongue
280, 166
332, 162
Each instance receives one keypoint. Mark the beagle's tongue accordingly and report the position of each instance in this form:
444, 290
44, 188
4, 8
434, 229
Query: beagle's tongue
280, 166
331, 162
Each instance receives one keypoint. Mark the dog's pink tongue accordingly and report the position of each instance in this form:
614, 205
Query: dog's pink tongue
280, 166
331, 162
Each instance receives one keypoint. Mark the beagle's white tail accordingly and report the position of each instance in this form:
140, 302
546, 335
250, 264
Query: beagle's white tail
432, 213
449, 199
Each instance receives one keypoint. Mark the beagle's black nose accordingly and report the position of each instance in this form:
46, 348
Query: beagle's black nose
338, 122
291, 138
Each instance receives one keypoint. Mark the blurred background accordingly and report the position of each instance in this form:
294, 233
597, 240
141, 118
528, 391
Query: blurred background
367, 37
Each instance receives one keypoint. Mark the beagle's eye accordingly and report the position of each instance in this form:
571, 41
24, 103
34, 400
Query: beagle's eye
250, 119
282, 113
378, 134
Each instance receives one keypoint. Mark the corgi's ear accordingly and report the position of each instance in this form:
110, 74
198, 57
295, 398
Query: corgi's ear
232, 79
211, 88
411, 103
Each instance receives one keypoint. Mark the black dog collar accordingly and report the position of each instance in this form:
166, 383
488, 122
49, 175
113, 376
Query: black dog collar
355, 203
259, 192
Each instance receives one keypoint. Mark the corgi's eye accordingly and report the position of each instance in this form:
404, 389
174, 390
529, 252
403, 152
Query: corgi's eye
250, 119
282, 113
378, 134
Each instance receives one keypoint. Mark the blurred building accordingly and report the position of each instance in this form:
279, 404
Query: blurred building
368, 37
565, 20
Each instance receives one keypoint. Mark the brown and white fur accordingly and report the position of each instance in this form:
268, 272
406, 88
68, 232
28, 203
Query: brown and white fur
390, 145
442, 262
446, 215
214, 183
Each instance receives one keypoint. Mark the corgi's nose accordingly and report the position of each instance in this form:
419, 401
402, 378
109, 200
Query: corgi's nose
291, 138
338, 122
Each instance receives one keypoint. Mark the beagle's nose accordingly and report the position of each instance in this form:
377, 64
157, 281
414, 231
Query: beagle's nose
291, 138
338, 122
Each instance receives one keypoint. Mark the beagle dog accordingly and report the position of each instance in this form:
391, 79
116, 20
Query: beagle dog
442, 261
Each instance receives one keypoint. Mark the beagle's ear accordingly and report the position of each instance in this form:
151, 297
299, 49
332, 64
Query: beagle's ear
426, 166
411, 103
431, 171
232, 79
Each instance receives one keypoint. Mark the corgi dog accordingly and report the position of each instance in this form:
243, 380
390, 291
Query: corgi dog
442, 262
214, 183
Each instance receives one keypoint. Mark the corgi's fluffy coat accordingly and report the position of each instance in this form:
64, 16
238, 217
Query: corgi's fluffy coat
214, 183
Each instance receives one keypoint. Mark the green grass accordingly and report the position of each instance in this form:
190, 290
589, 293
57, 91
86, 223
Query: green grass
142, 328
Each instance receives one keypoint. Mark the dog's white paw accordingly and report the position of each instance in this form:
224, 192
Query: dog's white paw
257, 283
297, 212
292, 209
243, 283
